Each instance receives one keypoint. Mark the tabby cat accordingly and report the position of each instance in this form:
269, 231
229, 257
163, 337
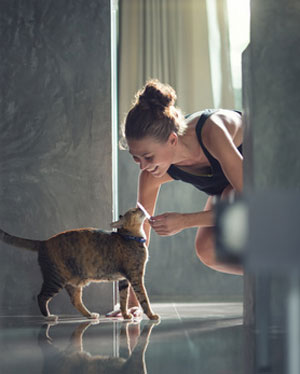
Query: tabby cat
73, 259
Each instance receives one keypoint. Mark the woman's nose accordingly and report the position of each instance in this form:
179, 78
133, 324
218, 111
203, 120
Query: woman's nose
143, 164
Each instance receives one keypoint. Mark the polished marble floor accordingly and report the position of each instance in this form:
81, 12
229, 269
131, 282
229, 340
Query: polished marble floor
190, 338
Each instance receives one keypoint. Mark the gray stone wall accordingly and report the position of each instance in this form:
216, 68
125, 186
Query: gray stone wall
274, 114
271, 72
55, 143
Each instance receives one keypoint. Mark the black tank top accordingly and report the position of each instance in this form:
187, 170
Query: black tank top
212, 184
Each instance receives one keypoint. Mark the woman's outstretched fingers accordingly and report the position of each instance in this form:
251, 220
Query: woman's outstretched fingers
167, 223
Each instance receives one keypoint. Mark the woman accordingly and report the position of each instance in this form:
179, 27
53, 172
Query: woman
203, 149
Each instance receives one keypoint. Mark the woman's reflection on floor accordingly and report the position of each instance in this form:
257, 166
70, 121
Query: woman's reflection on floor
74, 359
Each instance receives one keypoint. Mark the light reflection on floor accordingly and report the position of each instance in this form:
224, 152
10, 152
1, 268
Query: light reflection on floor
191, 338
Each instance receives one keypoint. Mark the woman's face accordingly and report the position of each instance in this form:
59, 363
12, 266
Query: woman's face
152, 155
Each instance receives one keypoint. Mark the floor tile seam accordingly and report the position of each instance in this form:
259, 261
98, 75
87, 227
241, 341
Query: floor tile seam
177, 313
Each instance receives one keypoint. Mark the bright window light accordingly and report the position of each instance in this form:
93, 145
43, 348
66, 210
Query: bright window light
239, 36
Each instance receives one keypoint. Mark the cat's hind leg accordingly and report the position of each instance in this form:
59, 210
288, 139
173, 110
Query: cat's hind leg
53, 283
75, 294
45, 296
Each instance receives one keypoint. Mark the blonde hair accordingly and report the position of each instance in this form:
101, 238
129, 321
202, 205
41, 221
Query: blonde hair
153, 114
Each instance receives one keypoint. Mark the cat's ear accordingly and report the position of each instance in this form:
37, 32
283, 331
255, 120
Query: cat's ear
117, 224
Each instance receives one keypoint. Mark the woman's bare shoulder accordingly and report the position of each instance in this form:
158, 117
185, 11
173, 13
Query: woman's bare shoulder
223, 121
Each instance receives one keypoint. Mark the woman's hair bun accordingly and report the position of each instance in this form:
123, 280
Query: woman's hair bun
156, 94
153, 114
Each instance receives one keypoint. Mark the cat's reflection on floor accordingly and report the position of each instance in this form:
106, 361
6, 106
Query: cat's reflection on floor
74, 359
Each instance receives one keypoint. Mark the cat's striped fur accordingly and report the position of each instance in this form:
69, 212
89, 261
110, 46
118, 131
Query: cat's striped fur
73, 259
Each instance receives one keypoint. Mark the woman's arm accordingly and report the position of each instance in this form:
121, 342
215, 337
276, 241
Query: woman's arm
148, 189
171, 223
219, 134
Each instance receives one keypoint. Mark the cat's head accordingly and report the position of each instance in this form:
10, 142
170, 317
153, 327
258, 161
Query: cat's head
131, 221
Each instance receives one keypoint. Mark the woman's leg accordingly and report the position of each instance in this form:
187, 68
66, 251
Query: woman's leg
133, 307
205, 244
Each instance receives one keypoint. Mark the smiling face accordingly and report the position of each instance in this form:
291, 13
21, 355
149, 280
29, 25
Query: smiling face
152, 155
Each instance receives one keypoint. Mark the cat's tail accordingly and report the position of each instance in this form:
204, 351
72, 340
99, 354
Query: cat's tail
32, 245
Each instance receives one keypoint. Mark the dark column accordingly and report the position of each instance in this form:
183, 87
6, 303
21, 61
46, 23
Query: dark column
271, 75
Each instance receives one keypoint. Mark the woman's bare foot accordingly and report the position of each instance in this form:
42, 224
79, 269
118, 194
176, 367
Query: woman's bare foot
136, 311
133, 307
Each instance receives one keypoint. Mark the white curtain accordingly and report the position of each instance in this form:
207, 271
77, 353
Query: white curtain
181, 42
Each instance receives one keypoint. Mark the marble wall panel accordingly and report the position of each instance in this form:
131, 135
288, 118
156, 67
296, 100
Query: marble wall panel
271, 72
55, 142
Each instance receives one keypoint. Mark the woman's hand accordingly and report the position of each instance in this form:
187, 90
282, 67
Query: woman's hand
167, 224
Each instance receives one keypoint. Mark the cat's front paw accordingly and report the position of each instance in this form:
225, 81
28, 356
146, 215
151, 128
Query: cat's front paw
128, 316
94, 316
154, 317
